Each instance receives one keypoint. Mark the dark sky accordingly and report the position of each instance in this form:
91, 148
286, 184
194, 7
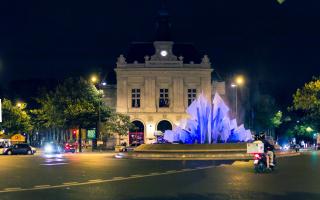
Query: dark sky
276, 45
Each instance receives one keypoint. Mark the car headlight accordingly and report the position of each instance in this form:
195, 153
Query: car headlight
48, 148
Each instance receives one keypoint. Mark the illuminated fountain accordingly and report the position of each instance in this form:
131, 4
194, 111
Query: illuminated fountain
208, 123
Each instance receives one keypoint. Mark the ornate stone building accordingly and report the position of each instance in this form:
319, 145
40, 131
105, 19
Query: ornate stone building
157, 81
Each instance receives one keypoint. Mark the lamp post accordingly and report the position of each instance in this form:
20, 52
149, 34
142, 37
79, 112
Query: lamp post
95, 81
238, 81
236, 97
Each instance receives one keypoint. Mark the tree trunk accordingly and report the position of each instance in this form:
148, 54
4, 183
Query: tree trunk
80, 140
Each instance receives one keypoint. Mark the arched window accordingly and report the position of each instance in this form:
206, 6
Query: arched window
136, 135
164, 125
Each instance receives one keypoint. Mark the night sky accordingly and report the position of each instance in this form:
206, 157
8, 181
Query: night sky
277, 46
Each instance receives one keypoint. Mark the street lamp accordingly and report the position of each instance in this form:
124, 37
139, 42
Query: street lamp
235, 86
95, 81
238, 81
19, 104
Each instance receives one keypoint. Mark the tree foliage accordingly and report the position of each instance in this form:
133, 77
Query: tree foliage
117, 124
73, 104
266, 116
276, 120
15, 119
300, 131
307, 101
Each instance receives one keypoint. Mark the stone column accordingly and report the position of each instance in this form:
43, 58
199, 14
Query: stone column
150, 95
122, 95
178, 91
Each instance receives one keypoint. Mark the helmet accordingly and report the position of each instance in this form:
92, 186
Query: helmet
262, 136
256, 137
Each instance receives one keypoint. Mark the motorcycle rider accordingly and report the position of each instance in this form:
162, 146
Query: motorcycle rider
268, 150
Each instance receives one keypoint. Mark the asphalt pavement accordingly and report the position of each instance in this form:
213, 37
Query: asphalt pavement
100, 176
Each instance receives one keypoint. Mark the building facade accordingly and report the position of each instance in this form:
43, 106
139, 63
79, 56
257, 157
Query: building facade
155, 93
157, 81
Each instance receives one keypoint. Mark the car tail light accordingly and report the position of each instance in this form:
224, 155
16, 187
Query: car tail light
256, 156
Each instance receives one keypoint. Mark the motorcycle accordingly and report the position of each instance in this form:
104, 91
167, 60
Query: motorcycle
260, 163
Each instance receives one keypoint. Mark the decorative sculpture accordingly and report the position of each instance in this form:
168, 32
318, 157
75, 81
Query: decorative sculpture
121, 60
208, 123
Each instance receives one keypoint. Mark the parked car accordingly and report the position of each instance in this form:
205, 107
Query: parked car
131, 147
68, 147
1, 149
120, 148
19, 149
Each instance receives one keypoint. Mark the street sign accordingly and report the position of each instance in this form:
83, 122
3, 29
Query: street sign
91, 134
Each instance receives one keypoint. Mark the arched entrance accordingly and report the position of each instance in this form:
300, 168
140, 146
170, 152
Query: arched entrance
164, 125
136, 135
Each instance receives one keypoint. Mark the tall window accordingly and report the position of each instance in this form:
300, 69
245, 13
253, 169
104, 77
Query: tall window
164, 98
135, 98
192, 94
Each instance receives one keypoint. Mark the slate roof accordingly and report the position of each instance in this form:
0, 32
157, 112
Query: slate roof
138, 50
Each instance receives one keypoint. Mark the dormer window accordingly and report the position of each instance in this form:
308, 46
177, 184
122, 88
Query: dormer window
163, 53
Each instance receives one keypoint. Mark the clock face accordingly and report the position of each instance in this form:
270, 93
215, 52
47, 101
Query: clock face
163, 53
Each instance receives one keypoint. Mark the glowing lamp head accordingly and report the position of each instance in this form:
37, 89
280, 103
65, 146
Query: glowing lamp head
94, 79
309, 129
239, 80
48, 148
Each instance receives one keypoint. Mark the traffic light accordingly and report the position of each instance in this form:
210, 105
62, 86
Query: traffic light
74, 133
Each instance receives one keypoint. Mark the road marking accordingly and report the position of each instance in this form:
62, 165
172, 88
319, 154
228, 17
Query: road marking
154, 173
13, 189
136, 175
118, 177
70, 183
42, 186
97, 181
53, 164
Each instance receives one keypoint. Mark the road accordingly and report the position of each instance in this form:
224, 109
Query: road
99, 176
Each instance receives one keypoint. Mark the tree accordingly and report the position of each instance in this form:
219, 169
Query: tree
307, 101
118, 124
73, 104
300, 131
276, 120
46, 116
15, 119
266, 114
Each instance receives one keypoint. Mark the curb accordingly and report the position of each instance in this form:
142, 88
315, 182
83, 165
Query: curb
195, 156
